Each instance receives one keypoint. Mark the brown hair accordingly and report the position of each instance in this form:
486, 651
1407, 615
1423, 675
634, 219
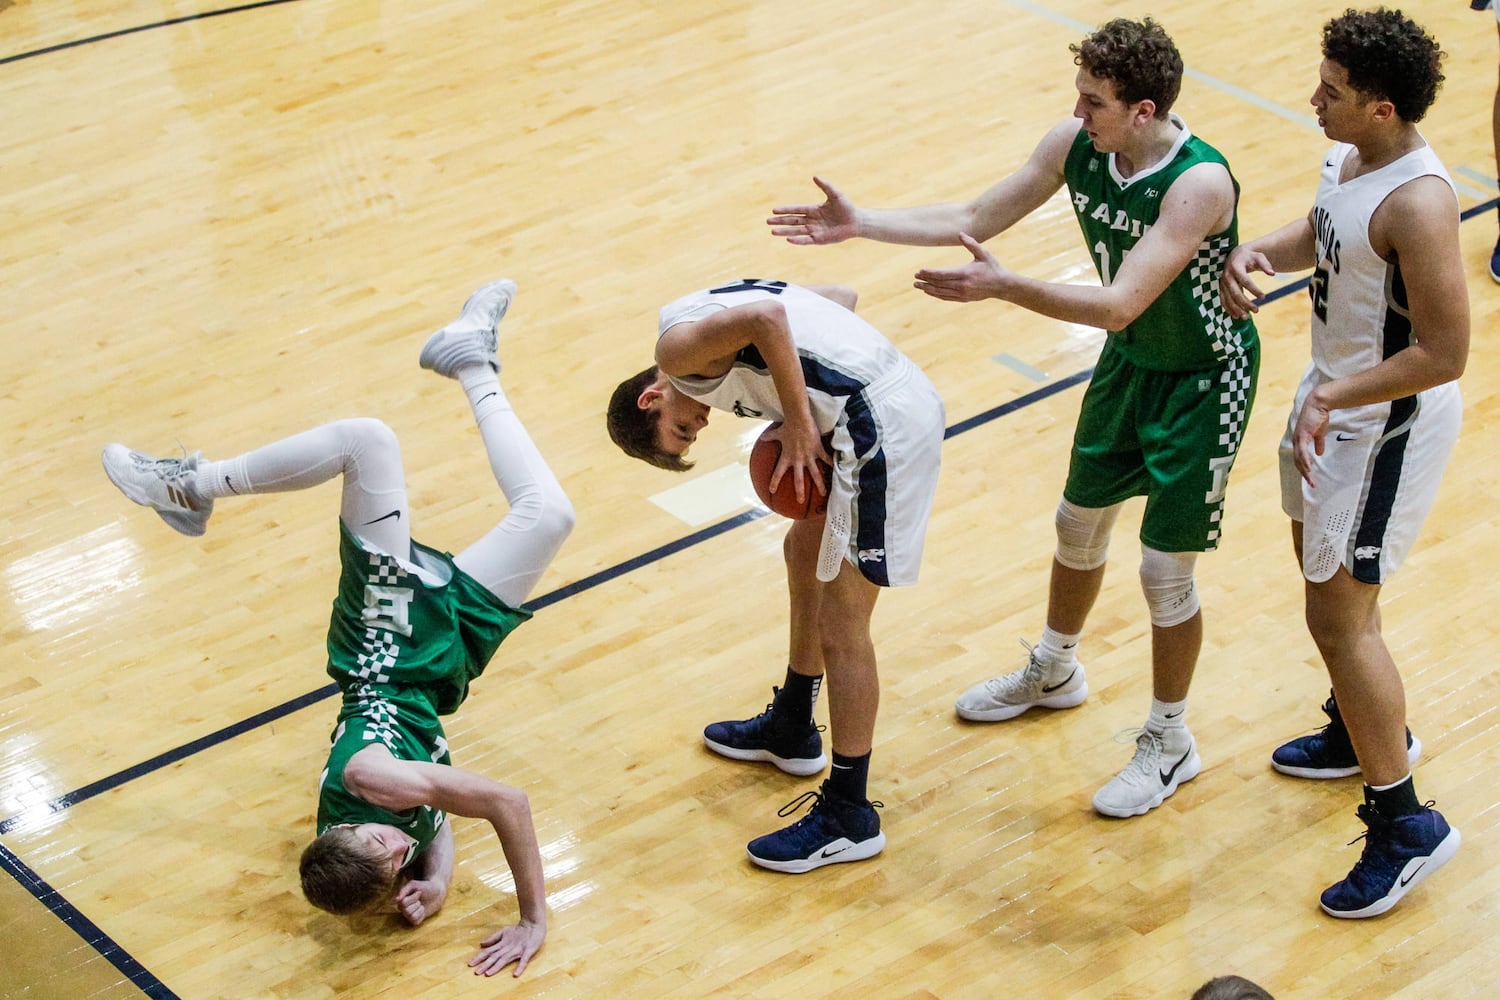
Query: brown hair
1138, 57
1389, 58
635, 429
341, 875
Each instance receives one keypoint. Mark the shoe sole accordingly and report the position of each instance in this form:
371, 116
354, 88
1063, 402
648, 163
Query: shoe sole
1440, 856
185, 524
1072, 699
1187, 772
797, 866
1413, 754
802, 767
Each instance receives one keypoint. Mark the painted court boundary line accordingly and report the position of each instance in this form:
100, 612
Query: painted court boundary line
144, 27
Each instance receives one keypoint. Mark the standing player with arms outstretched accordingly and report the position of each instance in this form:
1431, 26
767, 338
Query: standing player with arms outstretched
1374, 419
411, 628
1171, 394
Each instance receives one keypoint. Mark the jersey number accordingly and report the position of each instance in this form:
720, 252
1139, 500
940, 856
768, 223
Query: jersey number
1102, 250
751, 285
1317, 288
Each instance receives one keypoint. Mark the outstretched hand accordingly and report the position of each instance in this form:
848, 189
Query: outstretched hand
509, 944
831, 222
981, 278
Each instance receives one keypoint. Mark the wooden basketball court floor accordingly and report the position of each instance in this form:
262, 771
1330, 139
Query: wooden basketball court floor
223, 226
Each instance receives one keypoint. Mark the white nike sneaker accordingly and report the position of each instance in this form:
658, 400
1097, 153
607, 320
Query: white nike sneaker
165, 484
1154, 773
1033, 686
471, 339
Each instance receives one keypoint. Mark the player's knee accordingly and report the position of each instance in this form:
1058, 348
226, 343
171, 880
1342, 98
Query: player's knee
340, 875
542, 508
366, 435
1083, 535
1167, 580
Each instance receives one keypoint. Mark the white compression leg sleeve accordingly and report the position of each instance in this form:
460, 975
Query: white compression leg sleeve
1083, 535
511, 558
363, 450
1167, 579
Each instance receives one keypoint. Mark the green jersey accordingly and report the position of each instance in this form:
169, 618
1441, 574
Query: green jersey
1186, 328
403, 646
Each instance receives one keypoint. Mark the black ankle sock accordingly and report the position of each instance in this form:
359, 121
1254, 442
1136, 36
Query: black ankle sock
1395, 802
798, 695
849, 776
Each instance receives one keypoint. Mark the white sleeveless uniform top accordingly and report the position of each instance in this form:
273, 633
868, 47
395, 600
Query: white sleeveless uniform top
841, 354
883, 419
1359, 314
1378, 475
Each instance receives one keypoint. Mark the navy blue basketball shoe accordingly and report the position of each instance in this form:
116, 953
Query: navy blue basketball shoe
1328, 752
834, 830
793, 747
1398, 854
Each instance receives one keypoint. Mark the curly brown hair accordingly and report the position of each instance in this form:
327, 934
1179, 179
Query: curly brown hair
1389, 58
635, 429
340, 875
1138, 57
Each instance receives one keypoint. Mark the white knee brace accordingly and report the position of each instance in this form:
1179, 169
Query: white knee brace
1167, 579
1083, 535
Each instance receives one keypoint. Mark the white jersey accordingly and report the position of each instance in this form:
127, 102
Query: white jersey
841, 354
1360, 316
882, 418
1381, 464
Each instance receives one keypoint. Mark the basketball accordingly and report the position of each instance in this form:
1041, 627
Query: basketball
763, 459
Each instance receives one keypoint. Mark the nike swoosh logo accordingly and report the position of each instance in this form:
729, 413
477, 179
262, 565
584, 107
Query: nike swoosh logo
386, 517
483, 398
230, 483
1406, 881
1175, 715
1046, 689
827, 853
1166, 776
1343, 437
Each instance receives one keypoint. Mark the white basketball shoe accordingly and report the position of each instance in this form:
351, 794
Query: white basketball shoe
472, 338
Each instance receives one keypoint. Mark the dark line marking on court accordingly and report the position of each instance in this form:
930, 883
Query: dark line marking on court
84, 927
144, 27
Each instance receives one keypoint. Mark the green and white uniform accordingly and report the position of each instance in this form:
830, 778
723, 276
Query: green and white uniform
1167, 406
405, 640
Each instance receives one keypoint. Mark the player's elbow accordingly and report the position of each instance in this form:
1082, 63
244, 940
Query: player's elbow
514, 804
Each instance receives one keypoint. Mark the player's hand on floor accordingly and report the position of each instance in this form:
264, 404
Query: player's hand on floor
419, 899
508, 944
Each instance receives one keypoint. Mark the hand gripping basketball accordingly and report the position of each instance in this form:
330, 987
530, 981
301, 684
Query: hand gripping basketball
763, 458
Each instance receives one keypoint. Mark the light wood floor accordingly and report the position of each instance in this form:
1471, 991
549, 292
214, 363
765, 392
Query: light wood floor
224, 230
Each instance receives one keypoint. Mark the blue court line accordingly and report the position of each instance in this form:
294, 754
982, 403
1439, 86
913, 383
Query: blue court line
144, 27
83, 927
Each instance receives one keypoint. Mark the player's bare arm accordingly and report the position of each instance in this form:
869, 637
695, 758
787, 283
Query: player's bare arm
424, 894
1293, 247
708, 347
1198, 204
991, 213
382, 780
1418, 227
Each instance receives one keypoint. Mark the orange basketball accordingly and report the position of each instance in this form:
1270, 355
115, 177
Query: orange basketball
763, 459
